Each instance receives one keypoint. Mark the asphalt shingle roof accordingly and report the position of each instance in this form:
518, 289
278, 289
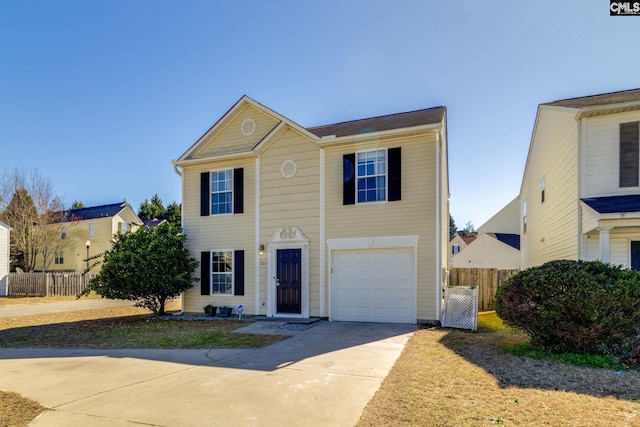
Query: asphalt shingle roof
614, 204
601, 99
512, 240
93, 212
381, 123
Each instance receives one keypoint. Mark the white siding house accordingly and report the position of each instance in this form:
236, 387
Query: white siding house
580, 193
497, 244
5, 230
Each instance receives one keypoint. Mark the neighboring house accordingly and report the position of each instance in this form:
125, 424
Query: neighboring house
86, 231
580, 193
153, 222
490, 250
458, 243
5, 231
497, 244
347, 221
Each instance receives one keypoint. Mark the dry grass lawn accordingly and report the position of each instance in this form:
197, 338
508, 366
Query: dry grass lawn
461, 378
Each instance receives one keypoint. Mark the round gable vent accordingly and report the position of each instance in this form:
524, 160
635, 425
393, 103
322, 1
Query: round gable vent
248, 127
288, 169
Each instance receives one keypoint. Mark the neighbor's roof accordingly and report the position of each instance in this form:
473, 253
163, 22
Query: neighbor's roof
598, 100
614, 204
512, 240
93, 212
376, 124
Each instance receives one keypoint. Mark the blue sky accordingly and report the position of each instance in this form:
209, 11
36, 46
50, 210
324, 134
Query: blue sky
99, 96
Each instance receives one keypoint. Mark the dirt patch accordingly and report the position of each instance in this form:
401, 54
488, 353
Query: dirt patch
458, 378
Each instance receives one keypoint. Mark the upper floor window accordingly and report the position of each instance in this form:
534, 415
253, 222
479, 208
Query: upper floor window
629, 155
222, 192
455, 249
123, 227
524, 216
372, 176
92, 230
63, 235
542, 185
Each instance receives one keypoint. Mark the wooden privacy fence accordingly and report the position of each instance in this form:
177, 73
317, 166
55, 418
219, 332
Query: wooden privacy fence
47, 284
486, 280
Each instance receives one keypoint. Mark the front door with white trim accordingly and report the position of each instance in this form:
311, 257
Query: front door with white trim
289, 281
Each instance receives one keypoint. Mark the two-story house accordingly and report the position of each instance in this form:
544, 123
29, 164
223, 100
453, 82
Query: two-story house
347, 221
85, 231
580, 193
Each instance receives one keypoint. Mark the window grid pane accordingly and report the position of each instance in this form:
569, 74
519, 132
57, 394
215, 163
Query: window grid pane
221, 272
372, 176
221, 192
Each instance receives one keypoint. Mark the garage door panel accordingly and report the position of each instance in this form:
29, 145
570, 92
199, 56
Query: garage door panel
375, 285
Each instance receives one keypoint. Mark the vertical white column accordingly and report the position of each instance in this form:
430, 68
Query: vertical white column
605, 244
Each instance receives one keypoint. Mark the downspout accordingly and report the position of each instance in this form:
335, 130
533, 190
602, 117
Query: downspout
179, 172
438, 225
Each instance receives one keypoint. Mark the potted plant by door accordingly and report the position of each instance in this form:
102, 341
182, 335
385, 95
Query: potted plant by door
225, 311
209, 310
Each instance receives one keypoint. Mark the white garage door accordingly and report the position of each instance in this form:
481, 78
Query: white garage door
373, 285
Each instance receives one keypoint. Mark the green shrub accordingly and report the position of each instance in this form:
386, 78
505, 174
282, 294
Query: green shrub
584, 307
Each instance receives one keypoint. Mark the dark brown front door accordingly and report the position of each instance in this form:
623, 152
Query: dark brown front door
288, 281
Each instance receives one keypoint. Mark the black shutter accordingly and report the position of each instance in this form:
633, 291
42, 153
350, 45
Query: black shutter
238, 190
205, 193
238, 272
629, 155
349, 179
395, 174
205, 276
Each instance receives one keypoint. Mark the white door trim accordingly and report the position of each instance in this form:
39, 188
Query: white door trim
287, 238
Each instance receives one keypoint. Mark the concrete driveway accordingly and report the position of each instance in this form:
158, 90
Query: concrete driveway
323, 376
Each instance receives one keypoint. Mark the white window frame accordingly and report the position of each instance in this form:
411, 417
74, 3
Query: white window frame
524, 216
377, 175
212, 273
92, 230
455, 249
58, 257
63, 235
213, 191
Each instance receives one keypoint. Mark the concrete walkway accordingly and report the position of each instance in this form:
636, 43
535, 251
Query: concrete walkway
56, 307
323, 376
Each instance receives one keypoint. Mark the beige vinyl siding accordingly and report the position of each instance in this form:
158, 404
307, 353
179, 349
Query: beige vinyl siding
602, 155
552, 226
620, 247
230, 231
487, 252
507, 220
414, 214
229, 138
292, 202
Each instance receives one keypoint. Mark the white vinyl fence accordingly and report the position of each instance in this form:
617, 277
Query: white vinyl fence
47, 284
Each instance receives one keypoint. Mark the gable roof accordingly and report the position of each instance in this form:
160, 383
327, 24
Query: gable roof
512, 240
392, 122
599, 100
614, 204
93, 212
381, 123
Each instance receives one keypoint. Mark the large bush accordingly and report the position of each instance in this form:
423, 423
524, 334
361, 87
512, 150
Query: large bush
148, 266
575, 307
